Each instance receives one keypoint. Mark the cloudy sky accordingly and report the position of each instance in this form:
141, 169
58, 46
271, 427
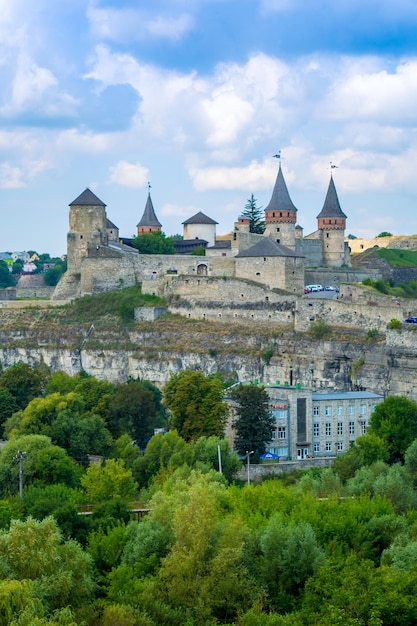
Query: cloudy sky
196, 96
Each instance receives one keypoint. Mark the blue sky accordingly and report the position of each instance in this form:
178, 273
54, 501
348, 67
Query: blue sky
196, 96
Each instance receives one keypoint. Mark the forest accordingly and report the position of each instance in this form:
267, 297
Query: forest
104, 523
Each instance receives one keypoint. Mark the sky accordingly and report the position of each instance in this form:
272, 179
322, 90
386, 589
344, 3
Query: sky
196, 97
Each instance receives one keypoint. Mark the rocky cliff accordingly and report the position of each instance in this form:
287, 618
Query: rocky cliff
267, 353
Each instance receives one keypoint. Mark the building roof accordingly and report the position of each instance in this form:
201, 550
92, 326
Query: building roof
87, 198
331, 207
267, 247
280, 200
110, 224
346, 395
149, 216
200, 218
221, 244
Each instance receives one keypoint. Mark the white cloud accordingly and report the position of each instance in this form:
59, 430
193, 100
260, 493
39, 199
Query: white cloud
132, 25
374, 95
254, 176
179, 212
10, 177
126, 174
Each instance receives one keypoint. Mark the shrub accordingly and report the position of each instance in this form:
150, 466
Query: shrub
319, 328
394, 324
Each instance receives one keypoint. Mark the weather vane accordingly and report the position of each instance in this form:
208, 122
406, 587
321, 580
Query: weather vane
149, 186
278, 155
332, 167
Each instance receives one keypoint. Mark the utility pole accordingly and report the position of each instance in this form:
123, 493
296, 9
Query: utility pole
19, 457
248, 464
220, 458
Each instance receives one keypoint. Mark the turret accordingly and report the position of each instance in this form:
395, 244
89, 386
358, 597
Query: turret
332, 224
281, 214
149, 223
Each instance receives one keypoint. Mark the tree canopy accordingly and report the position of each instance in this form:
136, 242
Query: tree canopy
254, 422
395, 422
196, 404
255, 215
154, 243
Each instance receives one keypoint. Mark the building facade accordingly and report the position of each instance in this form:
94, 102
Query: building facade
309, 424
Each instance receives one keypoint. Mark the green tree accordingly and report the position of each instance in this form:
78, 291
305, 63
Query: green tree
254, 422
107, 481
154, 243
384, 234
135, 409
291, 556
255, 216
24, 382
199, 251
52, 276
196, 404
8, 406
395, 422
43, 464
6, 277
61, 572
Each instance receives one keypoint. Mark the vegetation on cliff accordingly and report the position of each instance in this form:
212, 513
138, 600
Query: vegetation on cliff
333, 547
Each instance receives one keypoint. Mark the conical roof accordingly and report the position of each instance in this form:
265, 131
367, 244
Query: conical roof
331, 207
200, 218
87, 198
280, 200
149, 216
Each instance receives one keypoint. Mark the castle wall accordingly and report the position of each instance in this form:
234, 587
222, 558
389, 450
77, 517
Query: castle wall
312, 250
277, 272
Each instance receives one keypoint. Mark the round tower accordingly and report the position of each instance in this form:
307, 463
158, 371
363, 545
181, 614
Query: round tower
331, 222
281, 214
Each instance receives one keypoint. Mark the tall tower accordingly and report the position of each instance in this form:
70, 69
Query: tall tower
87, 226
332, 225
281, 214
149, 223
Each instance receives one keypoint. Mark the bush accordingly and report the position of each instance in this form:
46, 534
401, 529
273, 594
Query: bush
394, 324
319, 328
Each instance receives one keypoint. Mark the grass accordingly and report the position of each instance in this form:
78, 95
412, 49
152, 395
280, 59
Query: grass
398, 258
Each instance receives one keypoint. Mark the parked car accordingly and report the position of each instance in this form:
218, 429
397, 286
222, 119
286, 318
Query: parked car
316, 288
411, 320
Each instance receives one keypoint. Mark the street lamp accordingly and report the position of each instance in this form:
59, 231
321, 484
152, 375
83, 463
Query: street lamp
248, 465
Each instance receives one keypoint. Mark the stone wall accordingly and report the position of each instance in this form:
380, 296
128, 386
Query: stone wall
8, 293
263, 470
33, 286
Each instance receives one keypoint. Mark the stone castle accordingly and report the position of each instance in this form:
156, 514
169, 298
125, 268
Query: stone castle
99, 260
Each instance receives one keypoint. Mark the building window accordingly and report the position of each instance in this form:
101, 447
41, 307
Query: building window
316, 411
351, 409
316, 447
277, 230
328, 410
273, 435
282, 432
282, 451
340, 428
328, 446
340, 409
339, 446
363, 409
316, 429
363, 427
328, 429
351, 428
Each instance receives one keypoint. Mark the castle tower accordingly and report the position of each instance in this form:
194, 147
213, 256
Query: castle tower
331, 225
200, 226
149, 223
281, 214
87, 226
